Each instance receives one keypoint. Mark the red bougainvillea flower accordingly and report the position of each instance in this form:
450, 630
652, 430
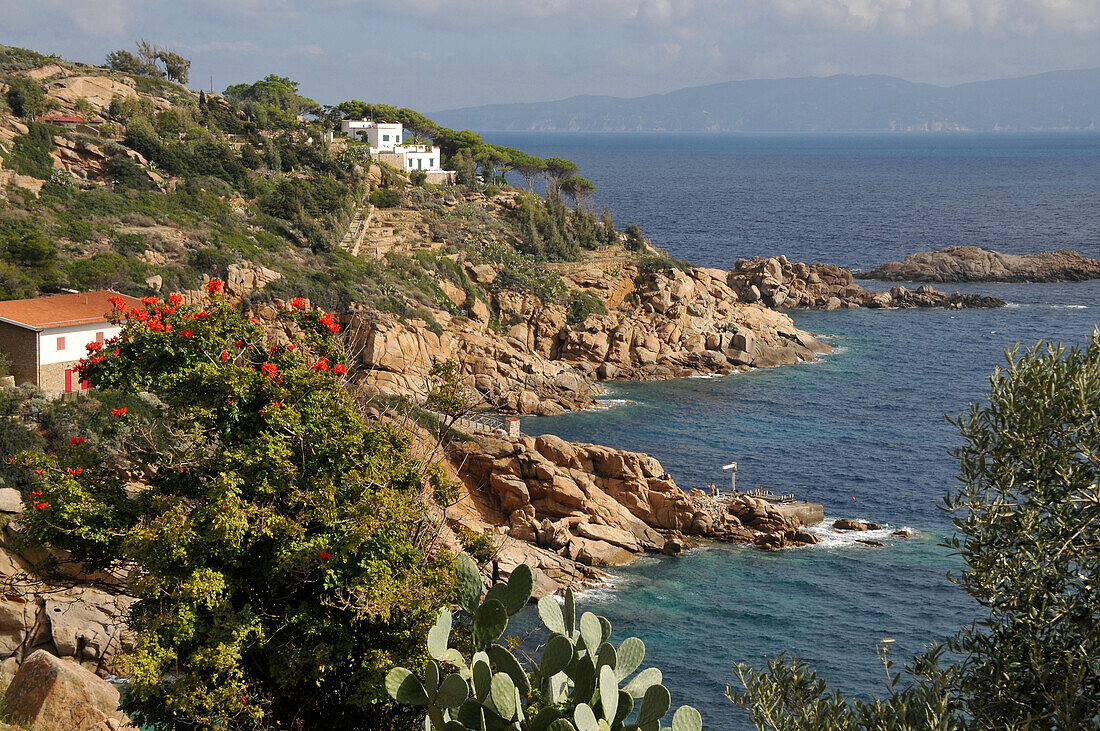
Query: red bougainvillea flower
120, 411
274, 348
175, 298
339, 369
214, 286
269, 369
117, 302
186, 333
39, 473
333, 328
92, 347
240, 343
150, 300
321, 364
37, 493
225, 356
292, 347
76, 471
40, 506
297, 303
115, 353
325, 555
76, 440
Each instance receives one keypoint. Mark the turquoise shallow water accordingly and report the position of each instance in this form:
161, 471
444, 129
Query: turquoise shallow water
867, 422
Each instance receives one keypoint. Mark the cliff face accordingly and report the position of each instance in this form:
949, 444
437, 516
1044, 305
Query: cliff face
973, 264
570, 510
659, 325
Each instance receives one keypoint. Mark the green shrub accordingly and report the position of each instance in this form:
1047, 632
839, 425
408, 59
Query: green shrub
582, 304
30, 153
99, 271
124, 172
385, 198
635, 241
478, 545
15, 437
26, 98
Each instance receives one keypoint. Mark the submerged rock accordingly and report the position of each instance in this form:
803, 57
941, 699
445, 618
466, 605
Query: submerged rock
857, 525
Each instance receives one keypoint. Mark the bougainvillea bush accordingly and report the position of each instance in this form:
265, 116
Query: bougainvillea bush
277, 544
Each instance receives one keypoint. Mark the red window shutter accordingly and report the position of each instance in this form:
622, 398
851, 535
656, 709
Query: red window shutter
61, 343
84, 385
68, 379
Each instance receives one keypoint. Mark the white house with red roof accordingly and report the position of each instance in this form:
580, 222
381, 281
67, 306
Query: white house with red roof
46, 337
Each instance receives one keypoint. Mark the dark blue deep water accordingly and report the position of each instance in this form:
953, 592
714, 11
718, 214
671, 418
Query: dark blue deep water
867, 422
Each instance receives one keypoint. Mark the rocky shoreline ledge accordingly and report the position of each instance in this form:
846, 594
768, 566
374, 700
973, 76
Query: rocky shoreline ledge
974, 264
571, 510
779, 283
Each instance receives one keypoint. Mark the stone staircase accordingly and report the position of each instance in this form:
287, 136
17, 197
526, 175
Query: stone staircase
360, 224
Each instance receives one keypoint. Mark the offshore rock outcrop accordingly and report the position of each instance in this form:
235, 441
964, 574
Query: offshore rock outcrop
659, 325
780, 283
570, 510
974, 264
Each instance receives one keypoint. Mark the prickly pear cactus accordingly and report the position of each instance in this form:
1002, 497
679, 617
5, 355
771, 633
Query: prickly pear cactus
582, 681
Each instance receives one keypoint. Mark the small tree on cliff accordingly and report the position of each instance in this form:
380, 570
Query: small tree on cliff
1029, 529
275, 542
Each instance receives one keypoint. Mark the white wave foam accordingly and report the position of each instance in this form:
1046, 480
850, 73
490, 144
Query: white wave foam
604, 404
833, 538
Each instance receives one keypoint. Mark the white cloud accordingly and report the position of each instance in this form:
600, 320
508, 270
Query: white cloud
95, 17
896, 16
310, 49
231, 46
917, 16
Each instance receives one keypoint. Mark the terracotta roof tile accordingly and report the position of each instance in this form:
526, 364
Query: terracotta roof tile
62, 309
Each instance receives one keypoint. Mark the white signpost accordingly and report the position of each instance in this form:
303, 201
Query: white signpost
732, 467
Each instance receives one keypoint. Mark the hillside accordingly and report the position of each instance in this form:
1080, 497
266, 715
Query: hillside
1060, 100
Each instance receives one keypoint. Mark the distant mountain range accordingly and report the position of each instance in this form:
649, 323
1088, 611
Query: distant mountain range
1059, 100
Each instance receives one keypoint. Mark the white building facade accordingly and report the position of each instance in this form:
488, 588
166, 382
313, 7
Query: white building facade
381, 136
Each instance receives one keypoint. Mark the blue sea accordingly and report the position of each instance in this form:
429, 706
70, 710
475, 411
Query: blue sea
864, 430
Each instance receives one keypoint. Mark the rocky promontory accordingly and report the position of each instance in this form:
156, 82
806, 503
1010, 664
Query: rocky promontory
974, 264
518, 353
778, 282
571, 510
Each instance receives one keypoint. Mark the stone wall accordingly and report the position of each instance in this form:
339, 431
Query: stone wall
21, 346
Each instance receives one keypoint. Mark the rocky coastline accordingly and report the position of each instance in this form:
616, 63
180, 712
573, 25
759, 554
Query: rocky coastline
658, 325
974, 264
572, 510
780, 283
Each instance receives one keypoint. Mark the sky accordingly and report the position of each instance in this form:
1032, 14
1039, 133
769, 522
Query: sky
440, 54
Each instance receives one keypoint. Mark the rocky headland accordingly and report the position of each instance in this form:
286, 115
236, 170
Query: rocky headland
780, 283
974, 264
571, 510
521, 354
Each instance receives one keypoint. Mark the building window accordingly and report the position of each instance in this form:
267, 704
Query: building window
99, 338
61, 343
397, 139
385, 138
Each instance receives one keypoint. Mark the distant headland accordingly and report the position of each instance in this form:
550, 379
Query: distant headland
1058, 100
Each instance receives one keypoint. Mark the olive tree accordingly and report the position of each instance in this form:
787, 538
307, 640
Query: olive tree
1027, 520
